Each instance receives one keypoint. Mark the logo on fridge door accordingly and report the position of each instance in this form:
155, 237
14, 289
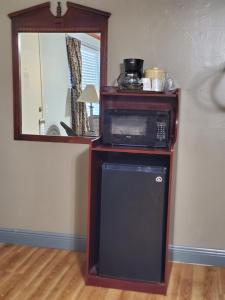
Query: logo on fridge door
159, 179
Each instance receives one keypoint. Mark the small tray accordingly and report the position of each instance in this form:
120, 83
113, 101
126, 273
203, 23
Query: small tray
144, 92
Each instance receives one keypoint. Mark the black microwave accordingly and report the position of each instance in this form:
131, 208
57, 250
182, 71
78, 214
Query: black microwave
131, 127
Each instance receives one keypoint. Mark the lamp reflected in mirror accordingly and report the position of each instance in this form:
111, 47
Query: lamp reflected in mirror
54, 70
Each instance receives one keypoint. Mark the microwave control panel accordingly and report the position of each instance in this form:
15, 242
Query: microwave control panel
161, 130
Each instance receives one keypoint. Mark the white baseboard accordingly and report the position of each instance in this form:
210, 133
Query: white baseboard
182, 254
43, 239
202, 256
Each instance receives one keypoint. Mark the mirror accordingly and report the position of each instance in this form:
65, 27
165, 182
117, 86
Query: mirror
47, 70
59, 66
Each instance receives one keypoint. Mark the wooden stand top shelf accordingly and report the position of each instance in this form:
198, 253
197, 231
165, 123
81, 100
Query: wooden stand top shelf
115, 91
134, 150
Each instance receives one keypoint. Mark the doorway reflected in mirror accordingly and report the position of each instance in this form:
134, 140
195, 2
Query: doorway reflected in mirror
55, 68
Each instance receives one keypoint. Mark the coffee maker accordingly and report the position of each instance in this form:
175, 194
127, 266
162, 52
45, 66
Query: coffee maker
131, 77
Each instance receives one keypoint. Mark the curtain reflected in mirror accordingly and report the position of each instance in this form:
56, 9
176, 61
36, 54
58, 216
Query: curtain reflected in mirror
60, 80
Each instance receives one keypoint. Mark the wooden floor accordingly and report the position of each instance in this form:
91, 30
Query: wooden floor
40, 273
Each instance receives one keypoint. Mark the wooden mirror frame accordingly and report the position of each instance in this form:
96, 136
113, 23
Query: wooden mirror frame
78, 18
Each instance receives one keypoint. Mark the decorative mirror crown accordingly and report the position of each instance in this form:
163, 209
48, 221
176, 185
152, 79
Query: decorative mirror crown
59, 10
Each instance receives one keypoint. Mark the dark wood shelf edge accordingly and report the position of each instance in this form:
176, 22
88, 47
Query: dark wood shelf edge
146, 287
111, 91
136, 150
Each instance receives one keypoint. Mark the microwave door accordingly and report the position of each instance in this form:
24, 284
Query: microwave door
128, 128
132, 125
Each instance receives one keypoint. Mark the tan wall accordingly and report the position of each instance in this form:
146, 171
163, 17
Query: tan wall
43, 186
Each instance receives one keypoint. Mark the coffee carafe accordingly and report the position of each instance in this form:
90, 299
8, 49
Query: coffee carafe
131, 78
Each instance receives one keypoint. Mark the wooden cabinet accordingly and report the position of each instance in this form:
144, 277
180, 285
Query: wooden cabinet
100, 154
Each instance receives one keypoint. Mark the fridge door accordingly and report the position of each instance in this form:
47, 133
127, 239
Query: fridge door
133, 222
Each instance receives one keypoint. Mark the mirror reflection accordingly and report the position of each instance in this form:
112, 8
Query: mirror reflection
60, 79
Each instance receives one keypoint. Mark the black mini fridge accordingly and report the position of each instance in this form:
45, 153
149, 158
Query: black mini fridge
133, 222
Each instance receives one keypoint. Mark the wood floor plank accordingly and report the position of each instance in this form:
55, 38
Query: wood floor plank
30, 273
51, 279
221, 279
61, 285
73, 282
10, 256
6, 249
73, 289
15, 282
23, 279
133, 296
6, 275
92, 293
174, 282
211, 286
35, 260
34, 276
113, 294
198, 282
185, 286
24, 258
155, 297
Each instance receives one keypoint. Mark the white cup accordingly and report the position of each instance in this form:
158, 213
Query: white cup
146, 84
158, 84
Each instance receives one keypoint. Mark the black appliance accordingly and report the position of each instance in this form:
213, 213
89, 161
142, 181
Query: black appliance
134, 127
133, 222
130, 78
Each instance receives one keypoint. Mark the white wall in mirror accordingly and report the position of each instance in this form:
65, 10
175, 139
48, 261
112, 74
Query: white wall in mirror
45, 80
